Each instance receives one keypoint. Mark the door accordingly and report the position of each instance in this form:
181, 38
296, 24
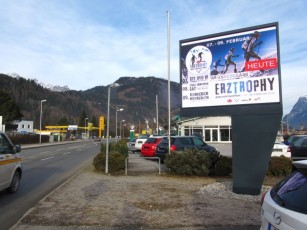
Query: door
7, 162
211, 134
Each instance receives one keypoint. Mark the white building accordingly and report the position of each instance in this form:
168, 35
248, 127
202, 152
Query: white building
213, 129
24, 126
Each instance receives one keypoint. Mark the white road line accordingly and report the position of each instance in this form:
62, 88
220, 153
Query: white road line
46, 158
66, 153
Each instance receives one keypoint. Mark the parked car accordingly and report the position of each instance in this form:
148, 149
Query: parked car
131, 145
299, 149
285, 205
10, 164
280, 149
139, 142
293, 138
180, 143
149, 147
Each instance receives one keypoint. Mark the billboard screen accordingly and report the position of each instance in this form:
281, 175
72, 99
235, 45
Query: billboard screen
232, 68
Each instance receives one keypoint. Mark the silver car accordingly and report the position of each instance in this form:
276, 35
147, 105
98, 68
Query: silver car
285, 205
10, 164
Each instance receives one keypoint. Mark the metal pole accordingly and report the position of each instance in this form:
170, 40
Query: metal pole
107, 144
157, 114
116, 123
169, 84
40, 121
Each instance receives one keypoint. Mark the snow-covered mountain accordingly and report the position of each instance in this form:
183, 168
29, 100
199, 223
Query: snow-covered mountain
297, 118
55, 88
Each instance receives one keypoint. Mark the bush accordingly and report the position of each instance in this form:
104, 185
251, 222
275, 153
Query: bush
190, 162
120, 146
279, 166
223, 166
116, 161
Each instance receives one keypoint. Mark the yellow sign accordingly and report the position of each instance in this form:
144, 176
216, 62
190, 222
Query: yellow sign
101, 122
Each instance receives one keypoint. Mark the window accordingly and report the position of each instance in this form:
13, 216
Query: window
5, 145
291, 192
198, 142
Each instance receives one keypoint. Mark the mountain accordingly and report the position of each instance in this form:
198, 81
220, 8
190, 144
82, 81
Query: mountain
55, 88
297, 118
137, 96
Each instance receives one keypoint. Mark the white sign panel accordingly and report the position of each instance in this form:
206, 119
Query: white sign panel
232, 69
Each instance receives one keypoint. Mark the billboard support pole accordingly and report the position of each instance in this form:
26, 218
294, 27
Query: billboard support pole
252, 144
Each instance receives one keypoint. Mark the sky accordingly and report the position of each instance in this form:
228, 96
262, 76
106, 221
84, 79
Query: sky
86, 43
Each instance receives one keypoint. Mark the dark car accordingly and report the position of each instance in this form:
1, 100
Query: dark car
293, 138
299, 149
180, 143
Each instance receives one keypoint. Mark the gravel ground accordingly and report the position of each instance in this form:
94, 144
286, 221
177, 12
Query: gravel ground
145, 201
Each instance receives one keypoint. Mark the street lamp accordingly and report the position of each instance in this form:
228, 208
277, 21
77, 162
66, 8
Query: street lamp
120, 128
117, 110
85, 127
108, 128
40, 121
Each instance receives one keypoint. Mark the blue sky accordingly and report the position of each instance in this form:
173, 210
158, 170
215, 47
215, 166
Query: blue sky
88, 43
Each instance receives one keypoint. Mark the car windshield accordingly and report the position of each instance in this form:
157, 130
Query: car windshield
291, 192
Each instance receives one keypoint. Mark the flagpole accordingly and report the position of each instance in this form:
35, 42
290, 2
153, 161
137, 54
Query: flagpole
169, 83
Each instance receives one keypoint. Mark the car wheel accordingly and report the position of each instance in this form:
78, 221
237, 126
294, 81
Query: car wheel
15, 183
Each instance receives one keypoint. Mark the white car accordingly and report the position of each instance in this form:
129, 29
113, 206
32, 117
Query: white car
139, 142
281, 149
285, 205
10, 164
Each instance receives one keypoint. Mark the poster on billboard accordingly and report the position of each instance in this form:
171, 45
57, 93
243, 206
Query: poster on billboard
232, 68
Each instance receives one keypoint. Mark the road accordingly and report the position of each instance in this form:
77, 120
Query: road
44, 169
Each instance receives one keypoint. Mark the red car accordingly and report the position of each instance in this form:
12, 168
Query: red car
149, 147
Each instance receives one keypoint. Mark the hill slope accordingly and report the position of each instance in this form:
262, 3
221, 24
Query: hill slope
136, 95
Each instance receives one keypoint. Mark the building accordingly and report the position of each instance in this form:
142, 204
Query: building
24, 126
212, 129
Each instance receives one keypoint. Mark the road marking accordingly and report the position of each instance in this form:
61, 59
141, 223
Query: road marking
46, 158
66, 153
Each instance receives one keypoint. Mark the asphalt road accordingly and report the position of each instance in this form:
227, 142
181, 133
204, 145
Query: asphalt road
44, 169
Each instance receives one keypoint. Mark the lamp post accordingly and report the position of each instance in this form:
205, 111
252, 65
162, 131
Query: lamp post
120, 128
85, 127
40, 121
117, 110
108, 128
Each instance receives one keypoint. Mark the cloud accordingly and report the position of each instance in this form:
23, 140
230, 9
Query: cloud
83, 44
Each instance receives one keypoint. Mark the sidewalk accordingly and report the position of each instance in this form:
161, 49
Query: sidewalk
80, 189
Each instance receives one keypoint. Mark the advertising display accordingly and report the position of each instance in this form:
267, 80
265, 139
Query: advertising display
231, 68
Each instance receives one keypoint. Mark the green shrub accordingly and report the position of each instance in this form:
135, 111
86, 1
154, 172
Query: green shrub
190, 162
120, 146
223, 166
116, 161
279, 166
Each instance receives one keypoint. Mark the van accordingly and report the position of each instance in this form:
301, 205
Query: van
10, 164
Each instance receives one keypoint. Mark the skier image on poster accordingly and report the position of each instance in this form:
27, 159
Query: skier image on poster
216, 64
229, 61
249, 46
